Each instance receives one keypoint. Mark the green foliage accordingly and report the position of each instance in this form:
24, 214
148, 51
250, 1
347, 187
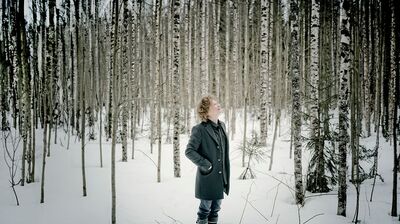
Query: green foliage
320, 180
317, 181
253, 149
255, 152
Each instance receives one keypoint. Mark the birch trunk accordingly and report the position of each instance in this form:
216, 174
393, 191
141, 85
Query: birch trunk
296, 100
366, 64
157, 18
343, 105
227, 59
134, 73
264, 71
176, 84
43, 96
216, 41
395, 41
203, 56
236, 70
124, 90
115, 111
25, 98
188, 63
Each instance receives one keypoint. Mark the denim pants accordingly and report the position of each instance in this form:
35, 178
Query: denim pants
208, 211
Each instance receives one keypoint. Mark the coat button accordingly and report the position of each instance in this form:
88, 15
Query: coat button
219, 160
217, 147
219, 172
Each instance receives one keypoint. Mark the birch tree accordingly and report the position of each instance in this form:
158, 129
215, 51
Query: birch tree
395, 73
296, 100
264, 70
115, 111
314, 70
134, 74
315, 174
366, 66
158, 83
44, 94
23, 75
203, 56
188, 60
124, 90
176, 84
4, 63
343, 105
227, 87
387, 23
216, 40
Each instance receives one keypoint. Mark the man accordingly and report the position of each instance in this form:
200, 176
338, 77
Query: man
208, 149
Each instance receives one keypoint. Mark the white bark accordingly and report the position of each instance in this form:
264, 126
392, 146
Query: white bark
176, 118
124, 90
296, 100
217, 12
264, 71
314, 70
203, 52
343, 105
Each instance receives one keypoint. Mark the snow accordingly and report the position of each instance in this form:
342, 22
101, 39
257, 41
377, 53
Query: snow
141, 200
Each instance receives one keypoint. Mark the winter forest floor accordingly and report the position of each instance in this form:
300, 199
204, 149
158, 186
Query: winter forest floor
141, 200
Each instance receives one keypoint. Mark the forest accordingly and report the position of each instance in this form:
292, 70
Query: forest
106, 70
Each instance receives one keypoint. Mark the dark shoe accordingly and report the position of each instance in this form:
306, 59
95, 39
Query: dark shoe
201, 221
213, 220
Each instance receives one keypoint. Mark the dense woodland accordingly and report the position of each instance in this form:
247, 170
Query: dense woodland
97, 69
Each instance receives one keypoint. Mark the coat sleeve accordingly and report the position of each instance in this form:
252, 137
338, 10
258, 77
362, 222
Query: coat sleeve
192, 150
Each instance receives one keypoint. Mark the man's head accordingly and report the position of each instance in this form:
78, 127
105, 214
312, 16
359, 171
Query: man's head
208, 107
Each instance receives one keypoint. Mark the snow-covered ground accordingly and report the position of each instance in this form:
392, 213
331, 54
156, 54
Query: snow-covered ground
141, 200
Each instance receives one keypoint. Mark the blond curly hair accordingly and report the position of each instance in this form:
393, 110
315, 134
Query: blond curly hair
204, 106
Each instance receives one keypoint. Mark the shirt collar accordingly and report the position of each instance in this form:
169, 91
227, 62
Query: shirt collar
215, 125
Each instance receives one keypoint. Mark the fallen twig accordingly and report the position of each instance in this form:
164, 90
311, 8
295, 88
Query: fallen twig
245, 205
312, 217
276, 195
147, 157
175, 221
290, 188
258, 211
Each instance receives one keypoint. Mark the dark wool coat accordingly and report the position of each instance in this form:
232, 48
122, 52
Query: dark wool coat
203, 149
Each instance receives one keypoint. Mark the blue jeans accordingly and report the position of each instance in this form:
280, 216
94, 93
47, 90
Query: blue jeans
208, 211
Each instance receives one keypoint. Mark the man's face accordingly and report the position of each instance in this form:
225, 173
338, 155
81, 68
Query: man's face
215, 109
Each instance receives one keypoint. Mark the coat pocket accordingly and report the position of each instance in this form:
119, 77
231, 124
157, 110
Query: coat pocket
206, 170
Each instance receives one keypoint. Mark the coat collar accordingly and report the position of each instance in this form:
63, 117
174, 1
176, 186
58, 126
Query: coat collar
210, 131
209, 127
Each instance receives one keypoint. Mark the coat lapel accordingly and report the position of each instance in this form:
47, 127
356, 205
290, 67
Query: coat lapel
211, 133
226, 135
224, 128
